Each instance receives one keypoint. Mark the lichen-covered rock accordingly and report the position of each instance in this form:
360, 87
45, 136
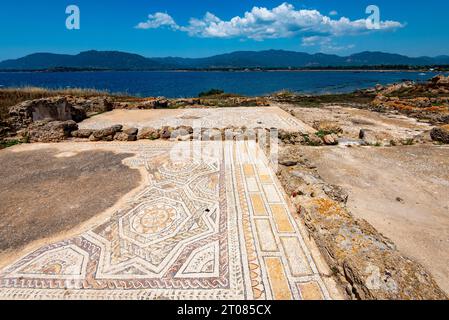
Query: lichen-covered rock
330, 139
328, 127
82, 133
186, 137
440, 134
313, 140
131, 131
213, 134
5, 129
422, 100
106, 134
92, 105
336, 193
181, 131
365, 263
48, 131
165, 132
233, 102
148, 133
186, 129
369, 136
440, 80
291, 137
123, 136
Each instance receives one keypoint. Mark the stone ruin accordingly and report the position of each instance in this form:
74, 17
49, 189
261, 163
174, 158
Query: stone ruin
55, 109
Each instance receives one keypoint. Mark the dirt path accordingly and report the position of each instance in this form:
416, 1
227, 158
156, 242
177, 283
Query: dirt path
401, 191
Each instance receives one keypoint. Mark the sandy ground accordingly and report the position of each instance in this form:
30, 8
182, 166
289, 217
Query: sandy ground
351, 120
401, 191
44, 192
251, 117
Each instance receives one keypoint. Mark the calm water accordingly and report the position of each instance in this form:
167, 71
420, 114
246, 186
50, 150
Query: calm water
189, 84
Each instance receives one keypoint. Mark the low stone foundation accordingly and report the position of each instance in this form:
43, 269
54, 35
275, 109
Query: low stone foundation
55, 109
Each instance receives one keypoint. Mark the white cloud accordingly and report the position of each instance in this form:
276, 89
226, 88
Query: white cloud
314, 40
333, 13
283, 21
158, 20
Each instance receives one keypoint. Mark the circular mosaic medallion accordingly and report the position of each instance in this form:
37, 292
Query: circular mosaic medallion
178, 166
154, 219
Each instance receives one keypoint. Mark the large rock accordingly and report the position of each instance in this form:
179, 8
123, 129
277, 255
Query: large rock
148, 133
48, 131
369, 137
105, 134
155, 103
291, 137
166, 132
213, 134
127, 134
443, 118
92, 105
440, 80
5, 129
185, 129
181, 131
290, 156
131, 131
330, 139
123, 136
313, 140
328, 127
82, 133
53, 109
161, 103
440, 134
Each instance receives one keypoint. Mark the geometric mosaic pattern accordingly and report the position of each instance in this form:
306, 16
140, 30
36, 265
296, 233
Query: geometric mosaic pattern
211, 224
251, 117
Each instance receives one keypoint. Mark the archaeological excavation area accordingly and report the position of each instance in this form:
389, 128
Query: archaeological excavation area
280, 201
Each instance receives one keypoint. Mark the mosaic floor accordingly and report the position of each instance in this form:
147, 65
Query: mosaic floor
210, 223
251, 117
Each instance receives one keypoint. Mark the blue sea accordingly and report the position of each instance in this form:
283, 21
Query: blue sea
189, 84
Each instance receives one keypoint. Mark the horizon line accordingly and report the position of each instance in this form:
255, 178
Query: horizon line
218, 54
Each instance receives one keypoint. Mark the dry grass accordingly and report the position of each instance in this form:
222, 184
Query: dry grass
12, 96
317, 101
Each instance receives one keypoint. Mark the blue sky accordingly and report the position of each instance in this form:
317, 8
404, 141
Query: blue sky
414, 27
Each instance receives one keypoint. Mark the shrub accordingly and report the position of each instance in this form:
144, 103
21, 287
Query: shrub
211, 92
9, 143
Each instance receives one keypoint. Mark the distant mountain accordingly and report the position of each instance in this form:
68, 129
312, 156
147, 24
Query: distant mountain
442, 60
259, 59
114, 60
90, 59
